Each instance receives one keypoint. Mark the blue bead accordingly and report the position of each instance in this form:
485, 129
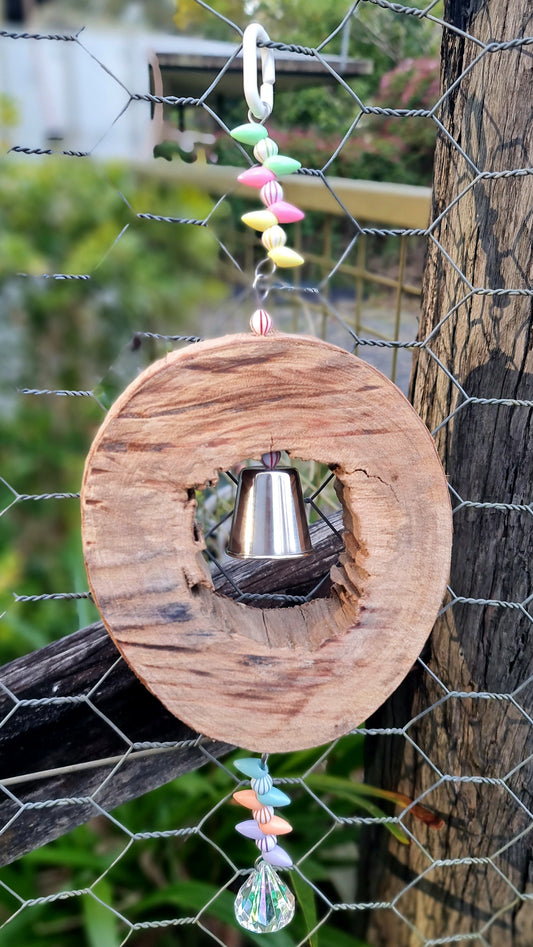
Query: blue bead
274, 797
251, 767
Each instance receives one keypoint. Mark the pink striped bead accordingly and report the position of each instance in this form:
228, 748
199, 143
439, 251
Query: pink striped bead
263, 815
260, 322
271, 459
258, 176
270, 193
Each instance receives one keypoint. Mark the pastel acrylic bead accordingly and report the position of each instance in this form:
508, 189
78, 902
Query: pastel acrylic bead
260, 324
278, 857
259, 219
250, 829
267, 843
262, 783
274, 237
263, 815
251, 766
275, 797
270, 460
286, 213
249, 134
258, 176
266, 148
284, 256
282, 164
271, 192
247, 798
276, 826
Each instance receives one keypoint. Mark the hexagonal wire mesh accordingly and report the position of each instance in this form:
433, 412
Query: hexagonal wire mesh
180, 840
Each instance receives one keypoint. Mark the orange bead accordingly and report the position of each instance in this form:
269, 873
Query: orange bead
276, 826
247, 798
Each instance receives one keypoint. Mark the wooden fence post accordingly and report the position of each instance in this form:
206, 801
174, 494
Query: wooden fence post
484, 341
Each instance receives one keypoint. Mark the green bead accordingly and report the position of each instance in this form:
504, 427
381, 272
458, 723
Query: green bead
281, 164
249, 134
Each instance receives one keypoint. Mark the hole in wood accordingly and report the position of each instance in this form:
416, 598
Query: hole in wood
272, 583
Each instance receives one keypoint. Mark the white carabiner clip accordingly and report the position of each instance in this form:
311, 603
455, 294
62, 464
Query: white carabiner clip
260, 102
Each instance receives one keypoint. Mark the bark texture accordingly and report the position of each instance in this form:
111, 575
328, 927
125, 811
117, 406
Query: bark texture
483, 344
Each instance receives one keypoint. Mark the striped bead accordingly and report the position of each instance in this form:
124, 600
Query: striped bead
266, 148
269, 460
260, 322
262, 783
267, 843
271, 193
263, 815
274, 237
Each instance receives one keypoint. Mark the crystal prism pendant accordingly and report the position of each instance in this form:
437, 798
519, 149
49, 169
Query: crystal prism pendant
264, 903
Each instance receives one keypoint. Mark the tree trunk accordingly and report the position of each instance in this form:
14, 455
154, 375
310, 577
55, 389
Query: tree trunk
484, 341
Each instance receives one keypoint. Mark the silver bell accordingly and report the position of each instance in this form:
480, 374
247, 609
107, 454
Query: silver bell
269, 520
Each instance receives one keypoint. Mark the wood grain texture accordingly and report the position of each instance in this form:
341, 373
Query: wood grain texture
84, 682
487, 451
275, 679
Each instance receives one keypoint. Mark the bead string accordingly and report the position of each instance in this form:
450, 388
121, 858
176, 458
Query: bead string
264, 177
261, 798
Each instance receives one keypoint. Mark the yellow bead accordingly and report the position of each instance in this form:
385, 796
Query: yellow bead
259, 219
274, 237
283, 256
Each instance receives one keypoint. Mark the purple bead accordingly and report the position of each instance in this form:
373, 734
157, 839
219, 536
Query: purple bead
250, 829
278, 857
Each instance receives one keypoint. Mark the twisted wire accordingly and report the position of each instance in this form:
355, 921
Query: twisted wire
156, 751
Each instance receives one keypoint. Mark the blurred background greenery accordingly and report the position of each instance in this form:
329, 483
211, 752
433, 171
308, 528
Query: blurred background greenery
66, 215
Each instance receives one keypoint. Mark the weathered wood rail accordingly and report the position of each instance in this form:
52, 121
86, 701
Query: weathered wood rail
73, 741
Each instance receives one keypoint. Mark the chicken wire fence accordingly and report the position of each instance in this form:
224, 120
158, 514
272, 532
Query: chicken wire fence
181, 840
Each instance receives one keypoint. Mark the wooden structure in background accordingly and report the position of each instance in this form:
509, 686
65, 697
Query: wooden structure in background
487, 452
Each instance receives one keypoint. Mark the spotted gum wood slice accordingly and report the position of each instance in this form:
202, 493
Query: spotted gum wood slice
273, 679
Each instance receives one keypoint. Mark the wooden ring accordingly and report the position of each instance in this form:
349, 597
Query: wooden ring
276, 679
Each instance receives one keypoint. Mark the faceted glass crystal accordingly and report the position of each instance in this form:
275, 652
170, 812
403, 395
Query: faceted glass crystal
264, 904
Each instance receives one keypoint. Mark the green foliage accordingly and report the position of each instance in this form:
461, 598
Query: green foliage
64, 216
187, 877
